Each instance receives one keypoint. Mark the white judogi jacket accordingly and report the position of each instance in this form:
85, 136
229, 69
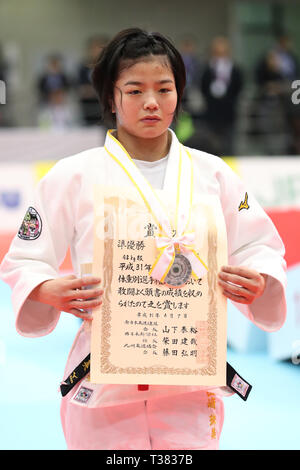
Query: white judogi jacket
64, 203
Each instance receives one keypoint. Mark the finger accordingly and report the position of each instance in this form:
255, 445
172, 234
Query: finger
80, 282
85, 304
242, 271
69, 277
238, 280
236, 290
80, 314
236, 298
79, 294
86, 294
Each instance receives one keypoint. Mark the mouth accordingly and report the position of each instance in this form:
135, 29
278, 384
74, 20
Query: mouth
151, 119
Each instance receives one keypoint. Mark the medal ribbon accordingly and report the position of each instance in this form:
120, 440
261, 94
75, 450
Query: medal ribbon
168, 242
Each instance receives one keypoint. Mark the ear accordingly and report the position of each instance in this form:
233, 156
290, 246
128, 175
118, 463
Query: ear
112, 105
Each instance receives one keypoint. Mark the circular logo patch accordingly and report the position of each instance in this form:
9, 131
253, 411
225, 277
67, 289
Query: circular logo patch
31, 227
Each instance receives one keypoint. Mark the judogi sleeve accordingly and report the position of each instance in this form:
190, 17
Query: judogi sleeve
39, 248
254, 242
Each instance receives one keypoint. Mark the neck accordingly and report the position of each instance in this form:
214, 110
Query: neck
151, 149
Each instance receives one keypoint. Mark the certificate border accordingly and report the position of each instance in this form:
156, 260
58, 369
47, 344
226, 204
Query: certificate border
106, 366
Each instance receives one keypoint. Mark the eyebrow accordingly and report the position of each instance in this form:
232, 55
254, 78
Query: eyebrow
140, 83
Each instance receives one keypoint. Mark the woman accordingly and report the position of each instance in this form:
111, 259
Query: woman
139, 78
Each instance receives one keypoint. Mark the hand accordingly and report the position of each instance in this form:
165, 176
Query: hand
241, 284
66, 294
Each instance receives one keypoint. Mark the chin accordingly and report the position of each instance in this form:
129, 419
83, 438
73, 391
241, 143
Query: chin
145, 132
152, 133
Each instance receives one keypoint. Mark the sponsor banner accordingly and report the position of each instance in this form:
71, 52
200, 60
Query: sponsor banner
276, 185
275, 182
16, 192
17, 183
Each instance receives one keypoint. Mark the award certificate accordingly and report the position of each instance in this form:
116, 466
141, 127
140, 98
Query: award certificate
146, 331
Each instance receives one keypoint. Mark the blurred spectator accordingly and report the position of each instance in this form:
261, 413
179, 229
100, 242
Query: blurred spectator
89, 103
54, 78
268, 113
192, 101
56, 109
287, 60
58, 113
276, 115
221, 84
268, 75
3, 74
277, 68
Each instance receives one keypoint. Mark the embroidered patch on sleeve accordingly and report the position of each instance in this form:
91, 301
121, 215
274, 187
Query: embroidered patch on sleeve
31, 227
244, 204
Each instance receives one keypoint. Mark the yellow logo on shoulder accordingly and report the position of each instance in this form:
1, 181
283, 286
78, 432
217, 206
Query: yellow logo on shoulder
244, 204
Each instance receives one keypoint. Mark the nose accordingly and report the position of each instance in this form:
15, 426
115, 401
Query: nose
150, 101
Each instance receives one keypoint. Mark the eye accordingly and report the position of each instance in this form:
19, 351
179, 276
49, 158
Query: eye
134, 92
164, 90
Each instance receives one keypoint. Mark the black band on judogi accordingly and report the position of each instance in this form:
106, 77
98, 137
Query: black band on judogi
78, 373
233, 380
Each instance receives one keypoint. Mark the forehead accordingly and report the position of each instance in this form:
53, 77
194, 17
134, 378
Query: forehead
146, 68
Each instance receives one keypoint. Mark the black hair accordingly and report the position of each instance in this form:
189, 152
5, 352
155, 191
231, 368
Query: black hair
124, 50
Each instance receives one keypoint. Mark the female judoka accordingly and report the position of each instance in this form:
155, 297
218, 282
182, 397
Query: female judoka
139, 78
